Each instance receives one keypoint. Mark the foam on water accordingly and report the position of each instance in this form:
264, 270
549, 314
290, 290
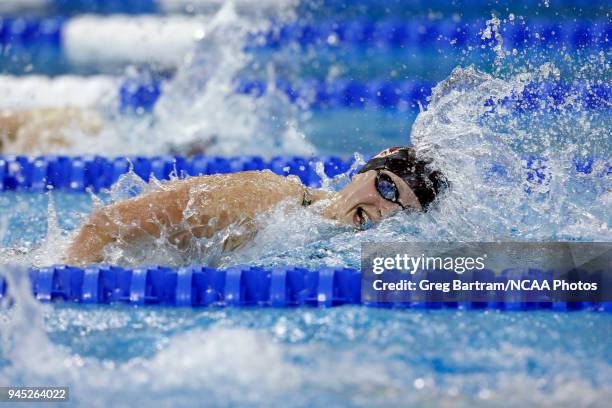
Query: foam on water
239, 363
134, 39
35, 91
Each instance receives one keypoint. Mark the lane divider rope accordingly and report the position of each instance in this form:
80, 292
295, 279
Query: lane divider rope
64, 33
139, 95
23, 173
240, 286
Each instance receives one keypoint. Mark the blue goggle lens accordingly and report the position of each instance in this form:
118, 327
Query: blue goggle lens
387, 188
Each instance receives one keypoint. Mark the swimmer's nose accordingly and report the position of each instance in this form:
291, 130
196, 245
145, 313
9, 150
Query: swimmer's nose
379, 211
382, 208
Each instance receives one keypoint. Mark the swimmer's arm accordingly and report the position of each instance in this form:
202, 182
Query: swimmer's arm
127, 221
228, 199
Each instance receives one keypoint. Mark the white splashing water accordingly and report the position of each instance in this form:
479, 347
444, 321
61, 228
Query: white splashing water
491, 32
226, 364
478, 141
199, 109
469, 139
200, 106
236, 360
480, 144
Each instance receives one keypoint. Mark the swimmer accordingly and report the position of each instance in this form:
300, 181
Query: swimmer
41, 131
46, 131
392, 181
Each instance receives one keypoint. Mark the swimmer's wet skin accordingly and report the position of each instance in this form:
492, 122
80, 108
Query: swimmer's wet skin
39, 131
199, 207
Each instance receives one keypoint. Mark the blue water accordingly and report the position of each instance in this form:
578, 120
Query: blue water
346, 356
26, 215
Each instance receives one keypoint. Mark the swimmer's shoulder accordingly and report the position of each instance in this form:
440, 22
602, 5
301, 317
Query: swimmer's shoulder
271, 181
256, 176
254, 182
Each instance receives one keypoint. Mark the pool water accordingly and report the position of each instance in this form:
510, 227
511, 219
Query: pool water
344, 356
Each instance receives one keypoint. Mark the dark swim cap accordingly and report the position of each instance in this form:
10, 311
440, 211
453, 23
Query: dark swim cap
424, 181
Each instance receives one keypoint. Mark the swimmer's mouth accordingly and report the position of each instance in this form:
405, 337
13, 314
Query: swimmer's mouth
360, 219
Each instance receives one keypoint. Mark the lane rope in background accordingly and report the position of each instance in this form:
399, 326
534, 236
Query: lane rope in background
198, 6
140, 94
37, 174
66, 34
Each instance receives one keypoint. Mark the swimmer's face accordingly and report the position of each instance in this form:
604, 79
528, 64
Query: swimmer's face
360, 202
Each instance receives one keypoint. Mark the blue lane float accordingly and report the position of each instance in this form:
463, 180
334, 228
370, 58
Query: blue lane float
445, 34
138, 94
37, 174
22, 173
241, 286
141, 95
185, 6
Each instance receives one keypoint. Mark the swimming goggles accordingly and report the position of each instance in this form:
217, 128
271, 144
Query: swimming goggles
387, 188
